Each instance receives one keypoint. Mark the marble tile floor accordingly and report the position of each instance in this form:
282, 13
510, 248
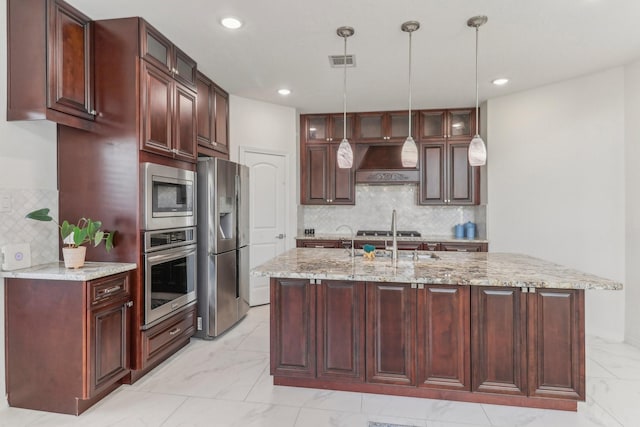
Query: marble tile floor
226, 382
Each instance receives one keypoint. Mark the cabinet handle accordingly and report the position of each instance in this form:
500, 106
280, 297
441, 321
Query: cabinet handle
93, 112
109, 290
129, 304
175, 331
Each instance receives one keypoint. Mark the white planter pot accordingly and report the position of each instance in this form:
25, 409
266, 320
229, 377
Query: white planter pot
74, 257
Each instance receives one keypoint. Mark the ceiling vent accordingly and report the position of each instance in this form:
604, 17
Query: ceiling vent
337, 61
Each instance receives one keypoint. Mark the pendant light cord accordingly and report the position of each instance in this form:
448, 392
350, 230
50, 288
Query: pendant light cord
410, 34
477, 29
344, 93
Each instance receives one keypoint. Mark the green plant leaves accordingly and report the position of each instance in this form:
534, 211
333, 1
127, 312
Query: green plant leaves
40, 215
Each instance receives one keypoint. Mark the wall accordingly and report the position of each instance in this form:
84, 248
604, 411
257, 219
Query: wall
632, 178
272, 128
372, 211
556, 183
28, 178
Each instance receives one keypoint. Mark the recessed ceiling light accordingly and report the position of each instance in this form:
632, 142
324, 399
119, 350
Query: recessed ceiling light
500, 81
284, 92
231, 23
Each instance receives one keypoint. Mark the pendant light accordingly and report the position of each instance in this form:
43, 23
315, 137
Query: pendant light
477, 149
409, 155
345, 154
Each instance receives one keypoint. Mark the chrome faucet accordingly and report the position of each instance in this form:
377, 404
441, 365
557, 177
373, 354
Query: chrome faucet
394, 242
353, 253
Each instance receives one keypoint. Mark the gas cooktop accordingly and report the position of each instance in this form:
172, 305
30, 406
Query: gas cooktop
387, 233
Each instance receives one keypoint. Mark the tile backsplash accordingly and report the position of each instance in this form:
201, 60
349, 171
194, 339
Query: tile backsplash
15, 228
373, 208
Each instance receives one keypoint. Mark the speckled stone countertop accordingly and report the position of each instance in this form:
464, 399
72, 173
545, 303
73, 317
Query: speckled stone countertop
342, 236
57, 271
464, 268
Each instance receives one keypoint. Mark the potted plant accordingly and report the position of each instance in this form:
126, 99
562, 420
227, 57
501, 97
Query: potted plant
85, 231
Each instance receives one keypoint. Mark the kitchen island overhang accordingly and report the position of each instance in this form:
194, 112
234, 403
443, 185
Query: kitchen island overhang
478, 327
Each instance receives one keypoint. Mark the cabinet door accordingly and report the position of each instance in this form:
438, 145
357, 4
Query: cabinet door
397, 125
556, 343
461, 124
221, 99
432, 173
184, 138
184, 69
342, 187
109, 345
315, 171
391, 333
293, 327
156, 105
315, 128
337, 127
498, 340
205, 103
432, 125
70, 64
370, 127
340, 326
444, 337
156, 48
461, 183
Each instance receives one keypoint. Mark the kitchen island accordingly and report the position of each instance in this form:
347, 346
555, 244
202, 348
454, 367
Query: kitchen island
478, 327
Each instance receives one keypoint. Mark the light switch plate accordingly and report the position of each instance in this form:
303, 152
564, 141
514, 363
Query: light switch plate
16, 256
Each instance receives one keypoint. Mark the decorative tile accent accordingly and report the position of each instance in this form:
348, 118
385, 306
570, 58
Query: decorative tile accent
373, 208
15, 228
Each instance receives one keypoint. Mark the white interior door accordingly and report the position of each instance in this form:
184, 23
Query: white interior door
267, 216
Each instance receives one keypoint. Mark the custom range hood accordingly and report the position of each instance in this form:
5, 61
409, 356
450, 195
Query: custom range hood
381, 164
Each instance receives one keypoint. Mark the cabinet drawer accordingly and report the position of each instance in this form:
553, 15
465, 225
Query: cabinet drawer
109, 288
162, 337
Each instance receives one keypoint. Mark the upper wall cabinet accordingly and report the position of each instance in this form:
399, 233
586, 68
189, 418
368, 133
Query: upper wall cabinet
213, 117
390, 126
318, 128
451, 124
159, 50
50, 67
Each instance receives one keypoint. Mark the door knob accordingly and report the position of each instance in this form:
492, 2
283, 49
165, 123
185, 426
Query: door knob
280, 236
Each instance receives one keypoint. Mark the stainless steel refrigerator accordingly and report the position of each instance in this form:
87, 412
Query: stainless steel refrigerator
223, 245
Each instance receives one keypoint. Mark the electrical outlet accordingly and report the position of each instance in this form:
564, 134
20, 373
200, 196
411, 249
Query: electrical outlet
5, 203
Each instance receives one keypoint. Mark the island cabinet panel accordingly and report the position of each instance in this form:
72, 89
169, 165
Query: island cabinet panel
293, 327
498, 322
340, 330
444, 337
390, 333
556, 343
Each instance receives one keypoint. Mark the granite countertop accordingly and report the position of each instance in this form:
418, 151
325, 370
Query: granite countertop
464, 268
342, 236
57, 271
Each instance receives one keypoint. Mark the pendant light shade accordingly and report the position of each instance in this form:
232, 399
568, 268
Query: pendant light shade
477, 149
345, 153
409, 154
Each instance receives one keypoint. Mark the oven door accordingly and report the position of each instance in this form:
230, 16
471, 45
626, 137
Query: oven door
170, 281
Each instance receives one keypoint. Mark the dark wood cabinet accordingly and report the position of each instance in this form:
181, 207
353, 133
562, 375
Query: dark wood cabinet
168, 115
80, 355
50, 63
499, 340
391, 126
390, 336
446, 178
340, 320
463, 247
293, 327
163, 339
323, 182
213, 117
461, 123
555, 330
323, 128
443, 339
160, 51
529, 341
304, 243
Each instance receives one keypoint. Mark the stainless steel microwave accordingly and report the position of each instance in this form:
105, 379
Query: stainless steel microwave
168, 197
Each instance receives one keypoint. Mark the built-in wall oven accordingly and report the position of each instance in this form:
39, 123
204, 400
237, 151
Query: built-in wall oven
169, 272
168, 197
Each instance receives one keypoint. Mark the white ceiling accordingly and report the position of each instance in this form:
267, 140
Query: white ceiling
286, 43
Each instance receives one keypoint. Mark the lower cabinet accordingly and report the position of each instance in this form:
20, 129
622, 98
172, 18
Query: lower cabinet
514, 346
166, 337
77, 349
528, 342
